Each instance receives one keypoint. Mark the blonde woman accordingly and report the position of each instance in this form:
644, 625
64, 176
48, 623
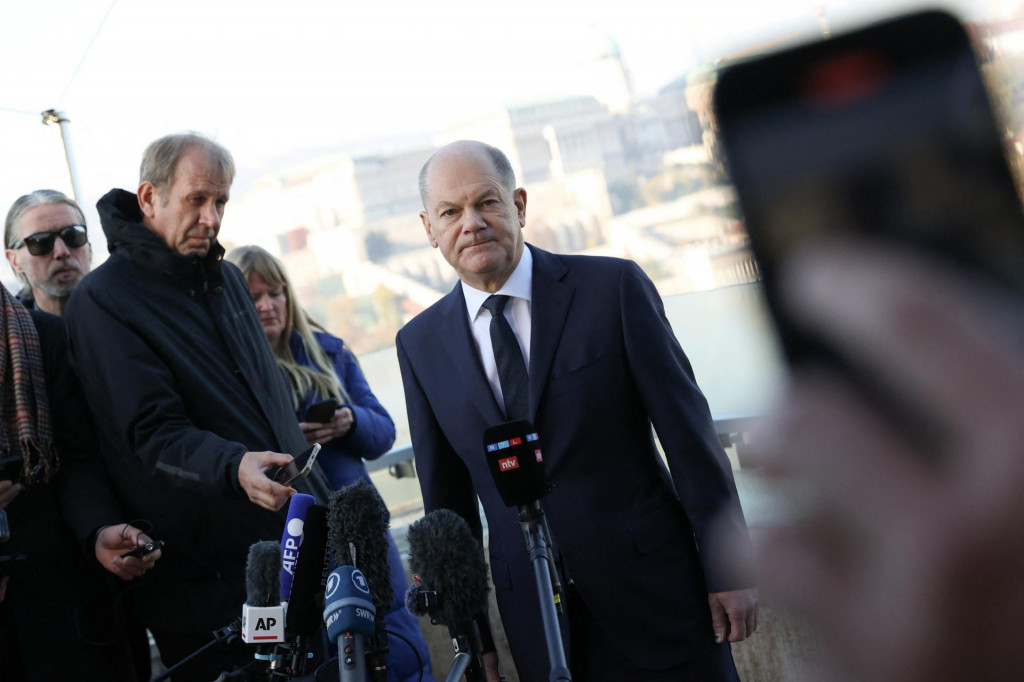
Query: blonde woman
320, 368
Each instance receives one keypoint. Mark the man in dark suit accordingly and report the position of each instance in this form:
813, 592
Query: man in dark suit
651, 595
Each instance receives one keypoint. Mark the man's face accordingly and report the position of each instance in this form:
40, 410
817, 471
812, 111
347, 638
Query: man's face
55, 273
474, 219
187, 214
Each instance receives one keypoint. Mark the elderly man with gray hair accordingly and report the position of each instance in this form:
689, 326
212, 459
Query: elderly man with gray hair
48, 248
190, 406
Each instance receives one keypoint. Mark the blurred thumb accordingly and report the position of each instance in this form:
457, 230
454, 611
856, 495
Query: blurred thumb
719, 620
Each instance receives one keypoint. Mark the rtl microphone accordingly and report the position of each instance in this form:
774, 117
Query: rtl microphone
450, 585
292, 538
517, 466
357, 536
262, 614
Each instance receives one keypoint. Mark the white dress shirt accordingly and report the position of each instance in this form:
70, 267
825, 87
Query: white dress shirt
517, 311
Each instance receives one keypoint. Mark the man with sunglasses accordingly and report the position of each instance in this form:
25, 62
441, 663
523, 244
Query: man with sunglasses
48, 248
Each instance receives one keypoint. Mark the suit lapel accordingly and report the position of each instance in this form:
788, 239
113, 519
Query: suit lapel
468, 374
549, 311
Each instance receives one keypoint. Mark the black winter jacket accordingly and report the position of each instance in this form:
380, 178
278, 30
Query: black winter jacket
182, 383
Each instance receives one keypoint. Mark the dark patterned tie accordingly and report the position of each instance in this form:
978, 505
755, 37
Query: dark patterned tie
515, 383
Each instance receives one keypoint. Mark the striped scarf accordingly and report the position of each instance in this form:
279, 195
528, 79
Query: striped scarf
24, 408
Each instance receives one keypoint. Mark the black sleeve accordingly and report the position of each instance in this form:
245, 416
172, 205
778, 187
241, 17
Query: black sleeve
84, 490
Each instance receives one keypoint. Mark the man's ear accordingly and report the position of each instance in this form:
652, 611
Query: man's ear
519, 198
12, 258
425, 219
147, 195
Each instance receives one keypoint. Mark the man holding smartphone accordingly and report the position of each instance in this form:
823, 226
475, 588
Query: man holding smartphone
187, 396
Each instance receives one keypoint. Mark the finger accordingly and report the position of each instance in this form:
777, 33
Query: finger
904, 319
719, 621
737, 629
833, 450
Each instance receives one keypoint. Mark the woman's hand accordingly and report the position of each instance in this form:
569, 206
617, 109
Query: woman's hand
339, 425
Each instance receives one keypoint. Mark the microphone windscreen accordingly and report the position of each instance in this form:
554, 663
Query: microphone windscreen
292, 538
516, 463
306, 604
358, 519
263, 574
447, 559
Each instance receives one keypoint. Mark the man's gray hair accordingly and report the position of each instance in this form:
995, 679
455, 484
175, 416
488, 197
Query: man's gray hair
41, 197
498, 158
161, 158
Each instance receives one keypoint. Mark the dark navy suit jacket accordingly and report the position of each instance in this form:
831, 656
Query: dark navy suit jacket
604, 367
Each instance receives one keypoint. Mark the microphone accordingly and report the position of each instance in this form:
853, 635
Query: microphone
516, 463
305, 605
450, 585
351, 619
262, 613
292, 538
357, 536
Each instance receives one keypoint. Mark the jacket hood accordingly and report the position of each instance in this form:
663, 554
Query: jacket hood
126, 234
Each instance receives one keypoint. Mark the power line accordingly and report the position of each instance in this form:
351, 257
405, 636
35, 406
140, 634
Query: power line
86, 53
19, 111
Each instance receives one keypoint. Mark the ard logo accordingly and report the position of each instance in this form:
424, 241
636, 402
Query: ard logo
508, 463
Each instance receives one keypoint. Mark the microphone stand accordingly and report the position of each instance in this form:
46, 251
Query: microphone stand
538, 543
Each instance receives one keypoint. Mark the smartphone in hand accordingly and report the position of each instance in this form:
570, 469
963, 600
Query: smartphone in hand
298, 467
143, 550
322, 412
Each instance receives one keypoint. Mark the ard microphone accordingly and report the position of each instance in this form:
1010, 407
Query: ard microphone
291, 539
357, 536
450, 585
262, 614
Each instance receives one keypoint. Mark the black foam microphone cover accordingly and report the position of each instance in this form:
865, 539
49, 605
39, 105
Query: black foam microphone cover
358, 519
263, 574
446, 557
305, 606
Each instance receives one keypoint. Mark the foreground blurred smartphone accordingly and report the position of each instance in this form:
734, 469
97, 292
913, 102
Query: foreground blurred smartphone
886, 133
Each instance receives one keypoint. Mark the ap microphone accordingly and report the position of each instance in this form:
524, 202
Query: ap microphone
262, 614
357, 536
450, 585
292, 537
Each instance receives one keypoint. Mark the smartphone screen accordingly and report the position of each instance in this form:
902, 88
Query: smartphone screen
322, 412
886, 132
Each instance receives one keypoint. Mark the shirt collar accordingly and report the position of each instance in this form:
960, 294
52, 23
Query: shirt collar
518, 285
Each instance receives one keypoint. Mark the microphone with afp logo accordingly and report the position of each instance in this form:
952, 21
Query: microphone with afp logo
516, 461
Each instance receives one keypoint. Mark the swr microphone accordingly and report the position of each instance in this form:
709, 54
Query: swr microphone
516, 463
262, 614
357, 526
450, 585
292, 538
351, 620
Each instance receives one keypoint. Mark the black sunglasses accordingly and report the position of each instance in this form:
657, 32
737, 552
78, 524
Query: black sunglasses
41, 243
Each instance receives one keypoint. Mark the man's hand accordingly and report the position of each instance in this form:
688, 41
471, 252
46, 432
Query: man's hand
903, 555
8, 491
113, 541
490, 660
252, 476
339, 425
733, 614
